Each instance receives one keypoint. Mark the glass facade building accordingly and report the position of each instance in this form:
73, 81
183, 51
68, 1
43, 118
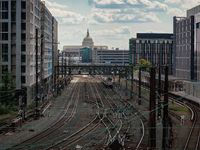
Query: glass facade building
86, 55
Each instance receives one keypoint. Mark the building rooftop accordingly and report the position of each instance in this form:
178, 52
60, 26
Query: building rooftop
193, 11
155, 35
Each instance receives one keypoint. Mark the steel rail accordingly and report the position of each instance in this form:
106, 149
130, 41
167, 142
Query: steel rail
46, 132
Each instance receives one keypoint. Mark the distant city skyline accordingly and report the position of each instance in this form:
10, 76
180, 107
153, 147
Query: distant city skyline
113, 22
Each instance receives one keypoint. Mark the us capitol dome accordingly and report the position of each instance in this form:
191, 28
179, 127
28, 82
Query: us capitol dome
88, 41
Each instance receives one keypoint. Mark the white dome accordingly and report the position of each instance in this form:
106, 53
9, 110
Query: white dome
87, 41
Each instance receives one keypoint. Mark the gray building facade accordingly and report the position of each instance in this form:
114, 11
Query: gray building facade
19, 20
185, 56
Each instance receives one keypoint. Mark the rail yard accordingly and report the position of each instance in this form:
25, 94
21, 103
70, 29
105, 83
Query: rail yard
90, 114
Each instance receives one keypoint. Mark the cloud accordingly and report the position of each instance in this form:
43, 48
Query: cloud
185, 4
172, 1
113, 4
157, 6
138, 17
68, 17
176, 12
55, 5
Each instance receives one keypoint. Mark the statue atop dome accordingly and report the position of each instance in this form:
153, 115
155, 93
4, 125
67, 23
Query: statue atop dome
88, 41
88, 34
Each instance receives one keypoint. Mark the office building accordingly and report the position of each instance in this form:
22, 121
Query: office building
19, 21
156, 48
185, 66
112, 57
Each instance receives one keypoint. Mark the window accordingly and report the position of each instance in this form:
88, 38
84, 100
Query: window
4, 15
4, 5
4, 48
23, 48
31, 6
4, 36
23, 78
4, 27
31, 27
4, 69
23, 59
23, 69
23, 16
23, 26
31, 17
23, 5
13, 16
23, 36
5, 58
13, 5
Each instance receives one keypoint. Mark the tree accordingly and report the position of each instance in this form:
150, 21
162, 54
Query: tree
7, 90
144, 63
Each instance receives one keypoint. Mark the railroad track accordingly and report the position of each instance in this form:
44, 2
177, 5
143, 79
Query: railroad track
193, 139
87, 129
124, 127
63, 120
194, 134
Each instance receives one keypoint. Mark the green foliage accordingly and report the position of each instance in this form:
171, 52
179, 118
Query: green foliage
32, 105
4, 110
176, 107
144, 91
144, 63
7, 90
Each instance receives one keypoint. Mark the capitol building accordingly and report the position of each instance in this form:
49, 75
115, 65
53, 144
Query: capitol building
76, 50
90, 53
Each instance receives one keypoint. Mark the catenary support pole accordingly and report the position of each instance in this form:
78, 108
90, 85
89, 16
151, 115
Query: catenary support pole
165, 111
62, 67
37, 112
65, 70
152, 121
159, 92
126, 82
58, 69
119, 79
139, 100
131, 98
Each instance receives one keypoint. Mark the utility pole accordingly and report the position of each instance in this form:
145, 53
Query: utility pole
152, 124
165, 111
126, 82
37, 112
131, 98
139, 100
159, 92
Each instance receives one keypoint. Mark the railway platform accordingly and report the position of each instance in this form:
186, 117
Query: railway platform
189, 97
34, 127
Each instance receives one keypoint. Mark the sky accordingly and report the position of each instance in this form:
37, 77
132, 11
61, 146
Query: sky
113, 22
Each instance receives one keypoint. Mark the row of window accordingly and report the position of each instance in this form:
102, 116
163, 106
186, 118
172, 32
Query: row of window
37, 12
3, 5
37, 21
48, 30
48, 22
48, 15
